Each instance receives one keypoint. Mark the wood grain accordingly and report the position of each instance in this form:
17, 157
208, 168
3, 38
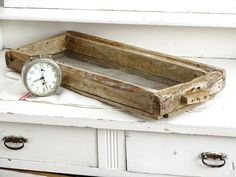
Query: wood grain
131, 57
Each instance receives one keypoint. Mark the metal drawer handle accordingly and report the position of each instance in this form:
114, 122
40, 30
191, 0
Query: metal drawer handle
14, 143
213, 159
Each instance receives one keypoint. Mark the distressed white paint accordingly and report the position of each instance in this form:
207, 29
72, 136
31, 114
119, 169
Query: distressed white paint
159, 12
178, 154
121, 17
201, 6
52, 144
180, 41
72, 169
111, 149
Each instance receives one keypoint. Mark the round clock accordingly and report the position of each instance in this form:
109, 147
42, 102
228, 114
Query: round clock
41, 76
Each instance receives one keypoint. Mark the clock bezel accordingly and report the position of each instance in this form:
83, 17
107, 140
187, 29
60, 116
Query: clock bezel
32, 62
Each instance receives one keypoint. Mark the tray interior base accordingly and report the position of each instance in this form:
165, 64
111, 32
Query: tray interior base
112, 72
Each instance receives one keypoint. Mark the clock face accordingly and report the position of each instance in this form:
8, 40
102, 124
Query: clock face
42, 77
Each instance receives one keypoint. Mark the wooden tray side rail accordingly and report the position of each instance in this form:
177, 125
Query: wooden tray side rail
128, 57
186, 83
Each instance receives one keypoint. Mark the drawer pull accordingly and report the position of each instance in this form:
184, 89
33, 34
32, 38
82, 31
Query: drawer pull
14, 143
213, 159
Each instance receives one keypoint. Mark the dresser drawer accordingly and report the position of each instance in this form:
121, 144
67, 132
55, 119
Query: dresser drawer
52, 144
178, 154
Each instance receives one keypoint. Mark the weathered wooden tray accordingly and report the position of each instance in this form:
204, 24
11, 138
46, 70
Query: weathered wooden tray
142, 81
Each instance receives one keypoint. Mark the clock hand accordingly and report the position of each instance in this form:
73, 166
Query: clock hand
45, 84
39, 79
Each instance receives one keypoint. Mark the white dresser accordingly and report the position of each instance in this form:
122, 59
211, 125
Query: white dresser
96, 141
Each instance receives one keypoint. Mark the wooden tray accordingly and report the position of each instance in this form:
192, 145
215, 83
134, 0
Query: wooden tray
142, 81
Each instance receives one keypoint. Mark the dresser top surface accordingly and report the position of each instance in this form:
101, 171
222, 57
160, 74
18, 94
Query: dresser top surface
215, 117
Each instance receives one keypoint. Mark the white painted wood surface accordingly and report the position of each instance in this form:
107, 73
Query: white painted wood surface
8, 173
179, 41
71, 169
177, 154
120, 17
66, 145
206, 13
111, 149
188, 6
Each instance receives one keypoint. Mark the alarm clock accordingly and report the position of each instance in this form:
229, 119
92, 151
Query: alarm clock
41, 76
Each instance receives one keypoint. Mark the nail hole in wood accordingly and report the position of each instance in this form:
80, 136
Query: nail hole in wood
165, 115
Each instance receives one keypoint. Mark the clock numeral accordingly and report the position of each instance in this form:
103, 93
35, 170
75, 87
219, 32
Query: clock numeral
31, 72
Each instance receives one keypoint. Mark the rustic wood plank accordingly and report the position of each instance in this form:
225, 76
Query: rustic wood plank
171, 98
127, 56
162, 56
123, 106
195, 97
111, 65
115, 73
52, 45
108, 88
